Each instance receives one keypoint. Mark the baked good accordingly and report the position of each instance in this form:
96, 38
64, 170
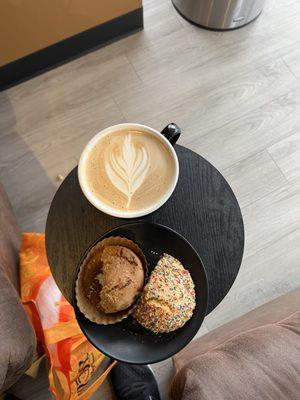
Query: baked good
123, 278
168, 299
110, 280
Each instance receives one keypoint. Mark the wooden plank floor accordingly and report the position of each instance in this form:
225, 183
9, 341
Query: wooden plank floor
236, 96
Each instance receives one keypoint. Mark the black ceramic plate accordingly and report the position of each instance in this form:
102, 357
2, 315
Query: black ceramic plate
127, 341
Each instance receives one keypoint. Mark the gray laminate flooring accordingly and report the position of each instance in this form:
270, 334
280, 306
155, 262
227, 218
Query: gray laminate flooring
236, 96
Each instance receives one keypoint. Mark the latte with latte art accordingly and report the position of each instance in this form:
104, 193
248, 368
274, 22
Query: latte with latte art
129, 170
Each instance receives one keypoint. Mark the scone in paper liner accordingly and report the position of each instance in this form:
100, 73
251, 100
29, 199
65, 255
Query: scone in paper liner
87, 308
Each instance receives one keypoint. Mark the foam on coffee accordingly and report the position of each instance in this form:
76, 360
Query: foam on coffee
129, 170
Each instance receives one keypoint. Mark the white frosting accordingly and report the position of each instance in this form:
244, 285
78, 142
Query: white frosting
127, 165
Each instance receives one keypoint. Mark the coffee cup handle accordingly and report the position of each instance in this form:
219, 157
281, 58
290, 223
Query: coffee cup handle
171, 132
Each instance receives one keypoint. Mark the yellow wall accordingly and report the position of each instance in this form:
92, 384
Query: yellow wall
30, 25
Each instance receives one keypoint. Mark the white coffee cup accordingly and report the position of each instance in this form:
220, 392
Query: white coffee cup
168, 136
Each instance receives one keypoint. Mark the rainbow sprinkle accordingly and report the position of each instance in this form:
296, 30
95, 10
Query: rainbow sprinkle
168, 299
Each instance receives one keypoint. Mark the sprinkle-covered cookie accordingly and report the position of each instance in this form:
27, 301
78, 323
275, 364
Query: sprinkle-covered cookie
168, 299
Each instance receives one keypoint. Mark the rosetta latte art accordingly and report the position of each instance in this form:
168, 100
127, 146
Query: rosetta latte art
129, 170
127, 165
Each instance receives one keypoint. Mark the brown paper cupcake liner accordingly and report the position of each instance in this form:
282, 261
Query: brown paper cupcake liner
87, 308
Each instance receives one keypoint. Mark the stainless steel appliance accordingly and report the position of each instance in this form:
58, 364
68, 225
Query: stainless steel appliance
219, 14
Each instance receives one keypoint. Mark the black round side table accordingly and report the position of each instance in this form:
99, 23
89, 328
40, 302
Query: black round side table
202, 208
